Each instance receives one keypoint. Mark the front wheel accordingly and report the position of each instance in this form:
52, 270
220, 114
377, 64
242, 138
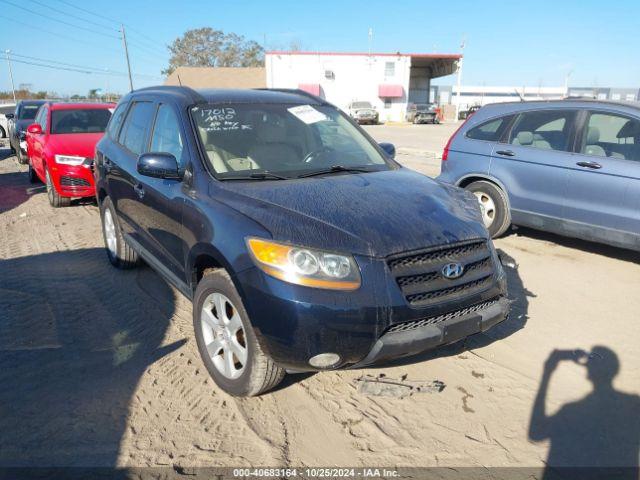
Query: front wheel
226, 340
493, 205
22, 159
55, 199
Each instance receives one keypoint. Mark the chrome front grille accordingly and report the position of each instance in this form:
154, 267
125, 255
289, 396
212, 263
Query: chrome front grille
420, 278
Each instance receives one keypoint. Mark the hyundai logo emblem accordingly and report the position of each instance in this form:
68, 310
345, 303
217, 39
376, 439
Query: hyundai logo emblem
452, 271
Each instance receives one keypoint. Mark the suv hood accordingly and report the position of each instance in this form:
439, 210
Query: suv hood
78, 144
373, 214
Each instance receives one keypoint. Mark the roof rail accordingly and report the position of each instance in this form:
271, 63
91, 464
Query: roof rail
195, 96
296, 91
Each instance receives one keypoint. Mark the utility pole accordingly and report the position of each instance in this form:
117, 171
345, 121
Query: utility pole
126, 53
459, 79
13, 88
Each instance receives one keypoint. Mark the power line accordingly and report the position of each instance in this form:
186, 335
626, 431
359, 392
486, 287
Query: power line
59, 21
77, 41
85, 70
74, 16
151, 43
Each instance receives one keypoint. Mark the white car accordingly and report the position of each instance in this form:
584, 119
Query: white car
4, 121
363, 112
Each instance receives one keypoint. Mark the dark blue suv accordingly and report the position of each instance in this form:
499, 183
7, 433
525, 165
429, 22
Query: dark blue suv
302, 243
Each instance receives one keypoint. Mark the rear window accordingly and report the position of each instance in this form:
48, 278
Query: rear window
89, 120
490, 131
28, 112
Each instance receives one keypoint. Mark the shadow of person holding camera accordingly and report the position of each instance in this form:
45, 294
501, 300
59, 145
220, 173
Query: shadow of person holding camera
599, 434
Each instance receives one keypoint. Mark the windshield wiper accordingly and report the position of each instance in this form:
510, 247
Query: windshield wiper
335, 169
258, 176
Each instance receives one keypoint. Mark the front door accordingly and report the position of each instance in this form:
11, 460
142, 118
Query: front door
603, 196
534, 162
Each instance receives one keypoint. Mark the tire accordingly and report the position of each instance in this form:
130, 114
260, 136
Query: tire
496, 215
33, 177
55, 199
228, 328
120, 254
22, 159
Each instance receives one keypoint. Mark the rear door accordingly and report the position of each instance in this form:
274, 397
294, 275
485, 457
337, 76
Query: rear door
604, 183
36, 143
162, 199
534, 163
120, 166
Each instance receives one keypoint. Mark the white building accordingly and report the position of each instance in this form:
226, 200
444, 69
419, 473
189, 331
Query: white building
388, 80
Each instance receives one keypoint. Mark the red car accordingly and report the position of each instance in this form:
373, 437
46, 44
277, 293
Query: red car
60, 146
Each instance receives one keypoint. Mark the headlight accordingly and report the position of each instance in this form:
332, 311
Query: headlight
69, 160
305, 266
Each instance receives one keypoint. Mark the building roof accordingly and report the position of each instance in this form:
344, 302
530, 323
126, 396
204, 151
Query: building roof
437, 64
454, 56
218, 77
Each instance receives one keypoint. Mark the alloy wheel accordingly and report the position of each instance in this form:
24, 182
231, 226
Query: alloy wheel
487, 207
224, 335
110, 233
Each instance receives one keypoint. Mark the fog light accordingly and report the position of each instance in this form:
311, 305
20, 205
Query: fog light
324, 360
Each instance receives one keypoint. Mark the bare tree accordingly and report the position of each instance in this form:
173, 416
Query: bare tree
206, 47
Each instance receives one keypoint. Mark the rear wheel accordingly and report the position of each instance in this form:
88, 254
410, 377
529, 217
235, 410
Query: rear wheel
33, 178
55, 199
226, 340
493, 205
120, 254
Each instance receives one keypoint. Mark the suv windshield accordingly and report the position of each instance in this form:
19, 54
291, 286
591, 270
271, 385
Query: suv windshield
87, 120
292, 141
361, 105
425, 107
28, 112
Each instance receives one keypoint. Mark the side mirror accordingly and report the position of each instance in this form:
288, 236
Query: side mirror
389, 149
34, 129
158, 165
9, 116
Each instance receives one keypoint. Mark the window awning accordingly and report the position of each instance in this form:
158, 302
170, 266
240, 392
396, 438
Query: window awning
312, 88
390, 91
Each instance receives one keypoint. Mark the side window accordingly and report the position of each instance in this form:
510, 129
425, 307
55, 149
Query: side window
38, 118
134, 133
44, 113
166, 134
116, 120
546, 129
610, 135
490, 131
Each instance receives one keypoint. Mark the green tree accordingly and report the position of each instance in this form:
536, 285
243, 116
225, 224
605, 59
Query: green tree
206, 47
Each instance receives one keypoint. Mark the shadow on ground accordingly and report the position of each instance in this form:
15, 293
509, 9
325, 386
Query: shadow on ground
76, 335
600, 431
578, 244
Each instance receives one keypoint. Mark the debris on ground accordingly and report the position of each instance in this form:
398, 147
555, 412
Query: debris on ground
383, 386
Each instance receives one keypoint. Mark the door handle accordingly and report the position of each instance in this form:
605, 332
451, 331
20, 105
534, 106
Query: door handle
138, 188
593, 165
506, 153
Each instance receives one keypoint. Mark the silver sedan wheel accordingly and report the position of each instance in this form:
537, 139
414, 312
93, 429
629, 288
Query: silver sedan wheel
110, 232
224, 335
487, 207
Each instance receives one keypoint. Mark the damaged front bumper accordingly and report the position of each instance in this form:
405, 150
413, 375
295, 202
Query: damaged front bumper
418, 336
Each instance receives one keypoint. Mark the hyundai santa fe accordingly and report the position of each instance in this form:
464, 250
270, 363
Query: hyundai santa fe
571, 167
303, 245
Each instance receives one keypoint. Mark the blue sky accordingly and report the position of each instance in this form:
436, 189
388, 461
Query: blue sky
507, 43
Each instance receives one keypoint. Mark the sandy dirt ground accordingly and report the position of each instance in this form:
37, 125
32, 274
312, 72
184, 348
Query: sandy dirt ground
99, 366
